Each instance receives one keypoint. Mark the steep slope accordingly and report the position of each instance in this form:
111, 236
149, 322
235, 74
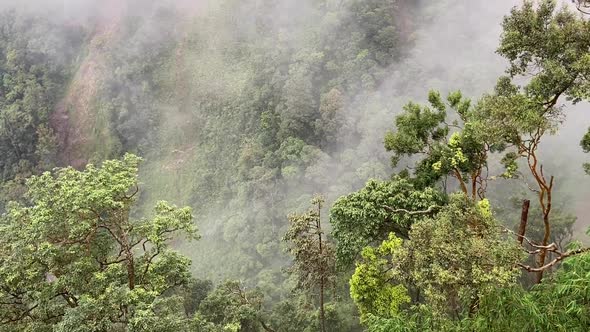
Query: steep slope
84, 131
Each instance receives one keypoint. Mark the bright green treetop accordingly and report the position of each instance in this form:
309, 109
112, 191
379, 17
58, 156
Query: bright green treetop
448, 144
457, 256
371, 287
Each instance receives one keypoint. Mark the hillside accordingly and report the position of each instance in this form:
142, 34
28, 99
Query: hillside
245, 110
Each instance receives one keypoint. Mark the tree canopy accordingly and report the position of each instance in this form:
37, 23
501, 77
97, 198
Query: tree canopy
74, 258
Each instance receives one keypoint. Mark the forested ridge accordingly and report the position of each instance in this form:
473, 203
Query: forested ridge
280, 165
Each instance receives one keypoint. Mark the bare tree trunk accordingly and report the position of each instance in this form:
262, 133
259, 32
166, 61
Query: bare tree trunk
545, 191
545, 198
524, 217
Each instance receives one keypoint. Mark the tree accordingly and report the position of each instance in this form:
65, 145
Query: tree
313, 255
381, 207
331, 120
551, 47
424, 131
449, 263
33, 71
74, 259
457, 256
371, 286
557, 304
231, 304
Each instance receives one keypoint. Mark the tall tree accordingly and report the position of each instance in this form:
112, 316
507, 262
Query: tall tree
456, 149
232, 304
550, 46
313, 255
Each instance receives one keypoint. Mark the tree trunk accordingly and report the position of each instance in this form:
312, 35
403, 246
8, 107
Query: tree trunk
461, 182
546, 205
322, 312
322, 278
524, 217
130, 269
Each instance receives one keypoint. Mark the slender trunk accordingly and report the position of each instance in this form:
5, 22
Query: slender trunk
322, 279
266, 327
545, 188
474, 188
130, 269
461, 182
322, 313
546, 236
524, 217
129, 259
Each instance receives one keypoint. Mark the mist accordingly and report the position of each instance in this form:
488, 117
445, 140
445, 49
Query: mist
189, 106
161, 162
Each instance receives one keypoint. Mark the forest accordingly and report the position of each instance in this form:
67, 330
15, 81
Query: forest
294, 165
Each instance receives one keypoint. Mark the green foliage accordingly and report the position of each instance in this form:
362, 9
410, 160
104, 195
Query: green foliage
75, 259
458, 256
558, 304
244, 119
461, 153
365, 217
313, 256
35, 58
551, 44
585, 143
332, 119
251, 115
370, 285
450, 262
418, 128
194, 293
230, 304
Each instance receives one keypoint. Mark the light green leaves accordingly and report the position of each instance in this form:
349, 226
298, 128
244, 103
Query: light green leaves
371, 286
78, 260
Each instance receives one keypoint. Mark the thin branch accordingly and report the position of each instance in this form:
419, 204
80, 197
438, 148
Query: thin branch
549, 247
522, 178
555, 261
150, 260
411, 213
134, 192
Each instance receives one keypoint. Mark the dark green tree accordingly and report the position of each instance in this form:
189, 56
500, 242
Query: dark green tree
381, 207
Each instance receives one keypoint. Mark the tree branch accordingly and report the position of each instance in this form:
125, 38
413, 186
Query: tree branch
555, 261
430, 209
